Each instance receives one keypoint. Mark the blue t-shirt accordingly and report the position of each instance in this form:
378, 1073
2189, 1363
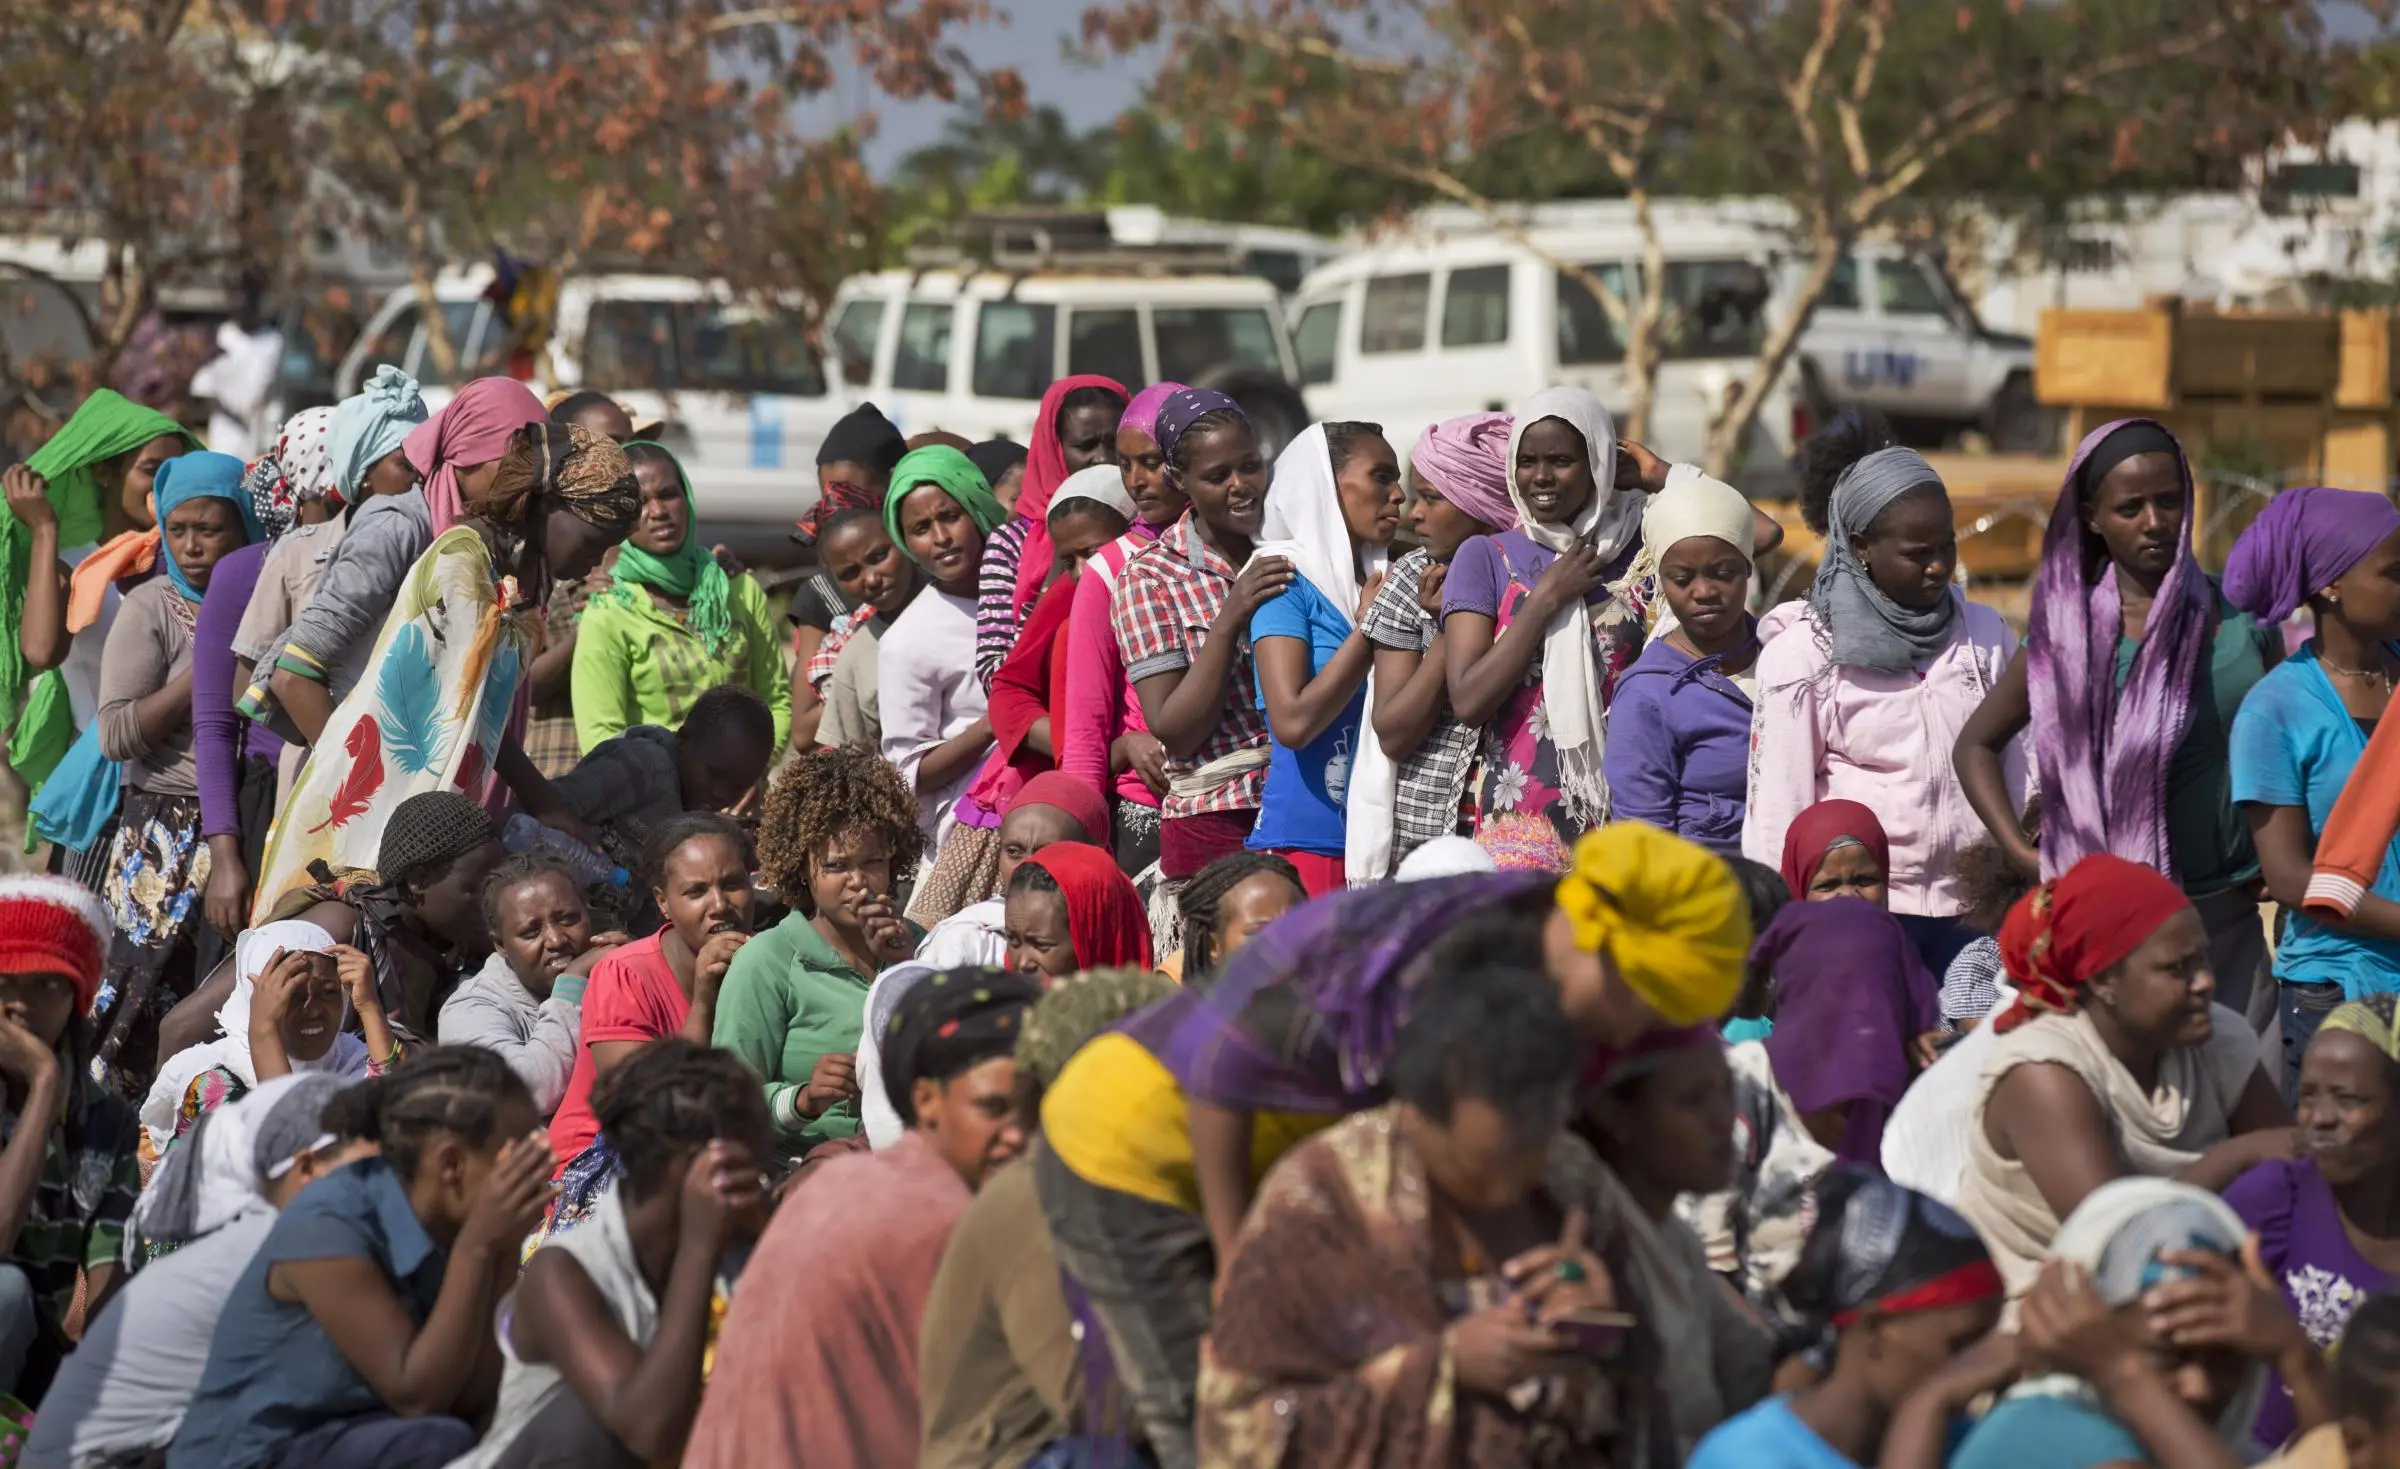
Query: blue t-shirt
273, 1374
2053, 1431
1302, 807
2295, 745
1768, 1436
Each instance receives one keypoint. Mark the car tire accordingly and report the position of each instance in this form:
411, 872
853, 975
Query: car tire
1276, 411
2018, 423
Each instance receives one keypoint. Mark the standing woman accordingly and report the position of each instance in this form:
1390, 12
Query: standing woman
1102, 737
1681, 756
2132, 669
158, 864
2305, 727
1075, 428
1182, 616
1864, 692
674, 624
1333, 513
1460, 475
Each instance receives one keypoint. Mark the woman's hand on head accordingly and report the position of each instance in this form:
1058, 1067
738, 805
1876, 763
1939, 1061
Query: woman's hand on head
2064, 1322
516, 1194
28, 497
724, 1194
2220, 1303
1639, 469
358, 978
271, 995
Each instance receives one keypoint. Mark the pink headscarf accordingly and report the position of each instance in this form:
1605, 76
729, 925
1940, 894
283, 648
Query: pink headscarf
474, 429
1467, 460
1045, 471
1142, 412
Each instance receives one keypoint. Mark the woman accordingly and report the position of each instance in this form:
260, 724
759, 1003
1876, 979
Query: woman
1459, 475
1227, 904
1102, 738
1332, 516
933, 705
2133, 668
2109, 1064
441, 687
527, 1001
1854, 1009
1864, 690
1180, 611
1159, 1132
839, 830
1074, 428
1895, 1287
1664, 1124
673, 624
2148, 1372
2328, 1218
1070, 909
1681, 756
868, 567
1001, 462
91, 482
288, 1016
1402, 1295
2304, 728
1837, 849
158, 866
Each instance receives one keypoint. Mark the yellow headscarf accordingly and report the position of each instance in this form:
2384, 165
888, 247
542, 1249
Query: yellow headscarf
2370, 1019
1668, 913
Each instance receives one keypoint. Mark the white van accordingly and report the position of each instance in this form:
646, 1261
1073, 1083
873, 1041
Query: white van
745, 399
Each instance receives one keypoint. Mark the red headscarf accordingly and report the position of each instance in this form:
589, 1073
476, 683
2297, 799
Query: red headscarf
1070, 794
2071, 930
1104, 914
473, 429
1815, 831
1045, 471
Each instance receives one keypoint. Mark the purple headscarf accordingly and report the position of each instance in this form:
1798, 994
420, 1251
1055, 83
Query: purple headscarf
1142, 411
1182, 408
1467, 460
2102, 754
1332, 981
2302, 543
1850, 996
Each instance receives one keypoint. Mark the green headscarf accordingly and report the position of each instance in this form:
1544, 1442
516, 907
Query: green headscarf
691, 573
107, 425
955, 474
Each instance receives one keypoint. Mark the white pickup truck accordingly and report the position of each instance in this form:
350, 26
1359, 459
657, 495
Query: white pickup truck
1892, 333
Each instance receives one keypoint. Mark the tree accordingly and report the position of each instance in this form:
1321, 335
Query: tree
1855, 113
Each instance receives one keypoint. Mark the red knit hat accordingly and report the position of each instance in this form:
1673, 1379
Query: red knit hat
49, 925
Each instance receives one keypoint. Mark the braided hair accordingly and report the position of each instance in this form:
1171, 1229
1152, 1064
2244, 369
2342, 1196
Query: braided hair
459, 1090
1207, 889
671, 1098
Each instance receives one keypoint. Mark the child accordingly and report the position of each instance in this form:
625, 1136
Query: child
362, 1332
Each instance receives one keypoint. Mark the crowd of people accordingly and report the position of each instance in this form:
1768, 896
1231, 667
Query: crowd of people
1140, 962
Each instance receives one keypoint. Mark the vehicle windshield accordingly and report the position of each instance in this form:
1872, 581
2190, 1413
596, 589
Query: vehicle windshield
698, 346
1193, 341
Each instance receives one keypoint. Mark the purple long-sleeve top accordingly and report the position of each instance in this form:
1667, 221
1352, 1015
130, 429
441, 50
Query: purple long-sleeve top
222, 739
1678, 753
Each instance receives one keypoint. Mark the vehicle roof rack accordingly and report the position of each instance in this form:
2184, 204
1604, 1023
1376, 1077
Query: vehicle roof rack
1026, 240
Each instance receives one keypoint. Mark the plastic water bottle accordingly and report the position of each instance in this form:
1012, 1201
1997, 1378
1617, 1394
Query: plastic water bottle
524, 834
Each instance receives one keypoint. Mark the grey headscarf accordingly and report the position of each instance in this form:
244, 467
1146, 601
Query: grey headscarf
1869, 629
222, 1168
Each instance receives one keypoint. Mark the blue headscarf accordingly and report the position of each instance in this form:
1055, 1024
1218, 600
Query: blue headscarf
201, 476
370, 424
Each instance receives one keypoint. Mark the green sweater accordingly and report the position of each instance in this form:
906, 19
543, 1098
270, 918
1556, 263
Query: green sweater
637, 663
788, 1000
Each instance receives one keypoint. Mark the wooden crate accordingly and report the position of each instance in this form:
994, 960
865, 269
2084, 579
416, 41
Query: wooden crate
2366, 381
2257, 354
2123, 357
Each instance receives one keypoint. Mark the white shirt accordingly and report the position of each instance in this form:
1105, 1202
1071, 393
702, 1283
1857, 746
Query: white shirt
928, 694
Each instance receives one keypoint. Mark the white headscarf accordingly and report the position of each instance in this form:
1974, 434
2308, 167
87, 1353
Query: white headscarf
1696, 504
1571, 679
1102, 484
1446, 856
252, 953
221, 1171
877, 1118
1303, 523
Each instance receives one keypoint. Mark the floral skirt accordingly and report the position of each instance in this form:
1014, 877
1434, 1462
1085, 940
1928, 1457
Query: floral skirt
157, 867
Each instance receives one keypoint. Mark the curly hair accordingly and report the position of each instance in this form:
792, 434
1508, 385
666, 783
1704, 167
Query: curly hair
823, 794
1832, 449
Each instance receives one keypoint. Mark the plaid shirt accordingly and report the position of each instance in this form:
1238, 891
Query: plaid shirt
1434, 776
82, 1199
1162, 608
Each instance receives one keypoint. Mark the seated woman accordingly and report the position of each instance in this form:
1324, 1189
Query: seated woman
1664, 1125
1226, 905
1051, 807
123, 1392
289, 1013
607, 1335
1680, 758
1891, 1284
839, 831
2328, 1218
527, 1001
1070, 909
1854, 1012
1837, 849
1333, 512
1457, 1236
2111, 1062
673, 624
361, 1333
2162, 1342
158, 865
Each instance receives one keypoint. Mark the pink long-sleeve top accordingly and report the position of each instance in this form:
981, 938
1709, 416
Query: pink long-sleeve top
1100, 704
